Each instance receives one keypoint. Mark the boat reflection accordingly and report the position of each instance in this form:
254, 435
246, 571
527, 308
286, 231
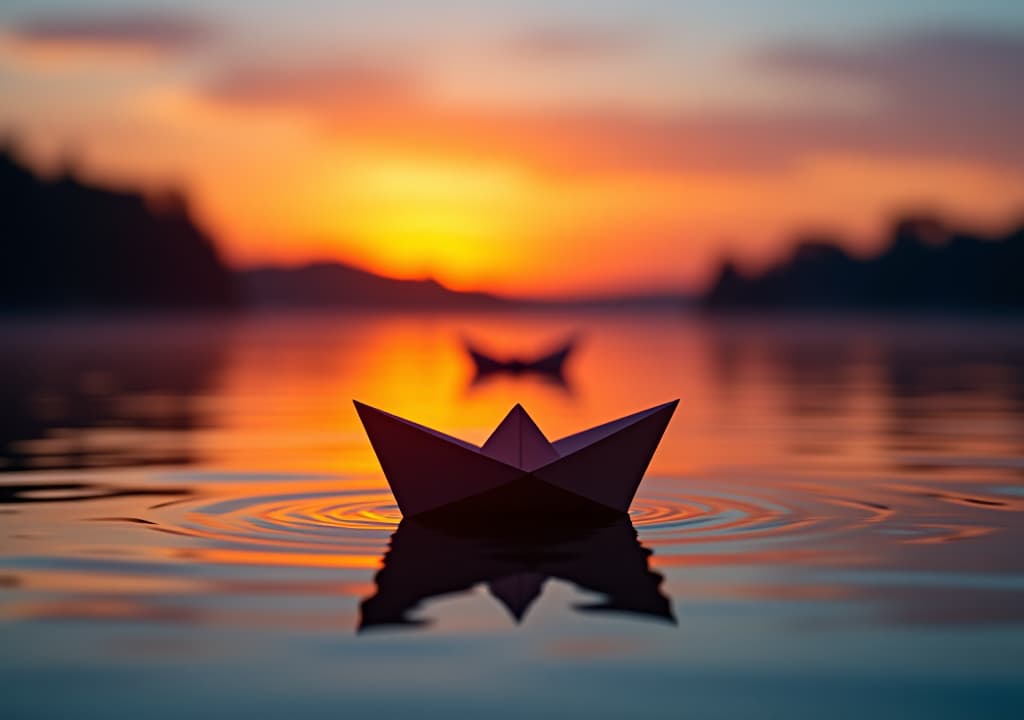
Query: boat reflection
548, 366
427, 560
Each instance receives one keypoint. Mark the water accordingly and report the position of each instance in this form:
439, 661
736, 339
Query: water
192, 520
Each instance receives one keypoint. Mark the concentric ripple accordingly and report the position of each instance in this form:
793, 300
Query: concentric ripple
343, 527
677, 516
350, 523
209, 521
195, 536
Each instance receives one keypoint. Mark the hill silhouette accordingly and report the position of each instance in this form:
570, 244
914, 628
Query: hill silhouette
925, 266
71, 245
333, 284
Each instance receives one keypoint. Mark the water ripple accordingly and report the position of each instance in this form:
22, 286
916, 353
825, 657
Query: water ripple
346, 523
355, 522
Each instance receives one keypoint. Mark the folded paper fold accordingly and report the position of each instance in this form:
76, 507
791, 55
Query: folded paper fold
517, 468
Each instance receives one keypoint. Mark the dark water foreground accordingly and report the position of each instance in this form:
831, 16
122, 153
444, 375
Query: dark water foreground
192, 523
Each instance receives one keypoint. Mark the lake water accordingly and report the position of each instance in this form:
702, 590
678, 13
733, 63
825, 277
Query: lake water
191, 519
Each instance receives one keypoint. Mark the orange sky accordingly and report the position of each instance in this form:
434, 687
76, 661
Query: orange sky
526, 155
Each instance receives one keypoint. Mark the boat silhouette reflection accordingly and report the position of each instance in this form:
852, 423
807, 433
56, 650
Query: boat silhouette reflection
428, 559
548, 366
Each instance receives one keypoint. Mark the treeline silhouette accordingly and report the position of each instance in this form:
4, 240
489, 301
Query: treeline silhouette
925, 266
68, 244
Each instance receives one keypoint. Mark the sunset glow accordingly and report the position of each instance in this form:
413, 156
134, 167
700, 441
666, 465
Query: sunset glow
540, 154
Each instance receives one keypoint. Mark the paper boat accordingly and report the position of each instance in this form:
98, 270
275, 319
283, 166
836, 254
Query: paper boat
551, 363
517, 472
428, 561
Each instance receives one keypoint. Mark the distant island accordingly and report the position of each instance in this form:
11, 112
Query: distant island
71, 245
924, 266
333, 285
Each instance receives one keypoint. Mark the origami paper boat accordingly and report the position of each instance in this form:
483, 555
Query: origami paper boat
517, 472
551, 363
426, 561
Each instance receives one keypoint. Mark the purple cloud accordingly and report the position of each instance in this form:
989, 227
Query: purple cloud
159, 31
339, 86
951, 91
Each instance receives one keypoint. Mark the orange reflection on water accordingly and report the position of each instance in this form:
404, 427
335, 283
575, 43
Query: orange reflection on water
285, 402
204, 460
290, 559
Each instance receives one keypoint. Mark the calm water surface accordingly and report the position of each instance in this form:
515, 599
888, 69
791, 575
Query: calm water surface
192, 522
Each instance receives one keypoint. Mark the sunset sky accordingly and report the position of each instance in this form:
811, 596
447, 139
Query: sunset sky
529, 147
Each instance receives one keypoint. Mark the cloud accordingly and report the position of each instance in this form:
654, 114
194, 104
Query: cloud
938, 96
388, 102
333, 89
154, 31
391, 105
946, 91
573, 42
923, 63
